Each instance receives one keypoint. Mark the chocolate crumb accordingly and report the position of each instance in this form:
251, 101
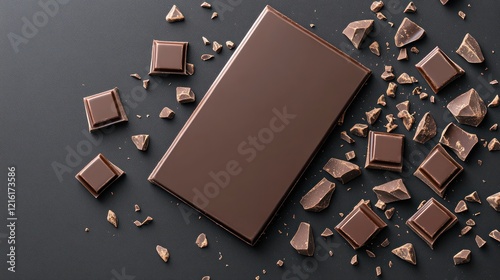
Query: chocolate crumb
390, 264
378, 271
414, 50
205, 277
214, 15
112, 219
375, 48
136, 76
206, 56
410, 8
370, 254
344, 136
230, 45
494, 82
462, 15
385, 243
461, 207
381, 16
389, 213
354, 260
417, 90
462, 257
330, 253
495, 102
350, 155
359, 129
202, 240
137, 208
327, 232
473, 197
87, 229
163, 253
312, 25
432, 99
372, 115
145, 84
206, 42
423, 96
391, 89
479, 241
381, 100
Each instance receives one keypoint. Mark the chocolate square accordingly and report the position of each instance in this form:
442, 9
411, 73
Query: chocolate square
438, 69
98, 174
385, 151
168, 58
104, 109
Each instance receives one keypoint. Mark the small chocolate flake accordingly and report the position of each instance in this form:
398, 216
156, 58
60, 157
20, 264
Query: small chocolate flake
479, 241
214, 15
303, 240
465, 230
357, 31
280, 263
136, 76
494, 127
381, 100
138, 116
206, 42
390, 126
380, 205
350, 155
381, 16
470, 50
201, 240
145, 84
145, 222
385, 243
370, 254
391, 24
390, 264
406, 253
432, 99
340, 121
495, 234
167, 113
354, 260
312, 25
494, 82
423, 96
388, 74
87, 229
174, 15
230, 45
408, 119
462, 257
378, 271
421, 204
473, 197
344, 136
205, 277
407, 33
137, 208
392, 191
163, 253
342, 170
372, 115
216, 47
414, 50
375, 48
495, 102
479, 162
190, 69
206, 56
330, 253
389, 213
404, 79
494, 201
376, 6
359, 129
391, 89
494, 145
403, 54
327, 232
185, 95
112, 219
461, 207
141, 141
470, 222
206, 5
462, 15
318, 198
410, 8
417, 90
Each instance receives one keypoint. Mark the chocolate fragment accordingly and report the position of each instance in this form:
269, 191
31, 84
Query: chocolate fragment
87, 229
381, 16
465, 230
494, 145
468, 108
342, 170
359, 129
462, 257
460, 141
438, 69
431, 221
318, 198
473, 197
405, 105
417, 90
230, 45
376, 6
375, 48
280, 263
174, 15
206, 42
470, 50
145, 222
410, 8
184, 95
407, 33
389, 213
406, 253
327, 232
495, 234
390, 126
403, 54
98, 174
408, 119
141, 141
494, 127
344, 136
426, 129
494, 82
381, 100
414, 50
216, 47
370, 254
372, 115
391, 89
303, 240
405, 79
421, 204
423, 96
137, 208
112, 219
206, 56
340, 120
206, 5
380, 205
104, 109
385, 243
354, 260
444, 1
388, 74
201, 240
394, 190
350, 155
378, 271
461, 207
163, 253
135, 76
206, 277
145, 84
168, 58
357, 31
432, 99
214, 15
167, 113
462, 15
470, 222
479, 241
495, 102
494, 201
190, 69
385, 151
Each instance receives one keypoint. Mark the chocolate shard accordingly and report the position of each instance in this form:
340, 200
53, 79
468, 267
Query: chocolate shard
389, 213
230, 45
465, 230
381, 16
479, 241
494, 145
460, 141
112, 219
462, 257
392, 191
381, 100
342, 170
378, 271
206, 42
407, 33
470, 222
136, 76
141, 141
405, 79
214, 15
444, 1
380, 205
190, 69
174, 15
494, 201
184, 95
461, 207
403, 54
359, 129
303, 240
495, 234
350, 155
201, 240
462, 15
318, 198
494, 127
408, 119
470, 50
280, 263
406, 253
410, 8
423, 96
376, 6
354, 260
375, 48
405, 105
357, 31
414, 50
391, 89
370, 253
426, 129
206, 56
216, 47
344, 136
145, 84
385, 243
206, 5
388, 73
372, 115
390, 126
495, 102
327, 232
167, 113
137, 208
468, 108
163, 253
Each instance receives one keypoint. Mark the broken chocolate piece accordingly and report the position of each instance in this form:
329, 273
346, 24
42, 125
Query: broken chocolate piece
391, 89
206, 42
216, 47
438, 69
370, 253
357, 31
388, 73
468, 108
359, 129
495, 234
174, 15
381, 16
444, 1
408, 119
376, 6
327, 232
136, 76
381, 100
230, 45
414, 50
410, 8
462, 15
184, 95
460, 141
344, 136
405, 105
389, 213
392, 191
385, 243
167, 113
380, 205
494, 201
342, 170
163, 253
201, 240
145, 222
141, 141
145, 84
350, 155
465, 230
354, 260
137, 208
406, 253
378, 271
495, 102
303, 240
470, 50
318, 198
407, 33
494, 82
479, 241
423, 96
112, 219
206, 5
405, 79
470, 222
494, 127
426, 129
385, 151
494, 145
214, 15
461, 207
280, 263
462, 257
190, 69
206, 56
372, 115
390, 126
403, 54
375, 48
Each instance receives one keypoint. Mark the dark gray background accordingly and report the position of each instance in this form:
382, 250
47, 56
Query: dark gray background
90, 46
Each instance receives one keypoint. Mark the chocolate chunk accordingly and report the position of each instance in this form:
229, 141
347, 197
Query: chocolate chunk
327, 232
190, 69
344, 136
381, 16
465, 230
406, 253
390, 126
394, 190
303, 240
145, 222
375, 48
494, 127
494, 201
378, 271
104, 109
137, 208
405, 105
216, 47
167, 113
460, 141
370, 253
408, 32
408, 119
495, 102
470, 222
206, 56
470, 50
184, 95
145, 84
135, 76
357, 31
414, 50
495, 234
206, 5
342, 170
479, 241
388, 74
112, 219
423, 96
98, 174
359, 226
372, 115
405, 79
359, 129
494, 82
391, 89
403, 54
468, 108
389, 213
376, 6
494, 145
201, 240
168, 58
318, 198
206, 42
438, 170
432, 98
381, 100
214, 15
354, 260
461, 207
380, 205
385, 151
431, 221
410, 8
163, 253
444, 1
385, 243
426, 129
350, 155
230, 45
462, 257
280, 263
174, 15
438, 69
462, 15
141, 141
417, 90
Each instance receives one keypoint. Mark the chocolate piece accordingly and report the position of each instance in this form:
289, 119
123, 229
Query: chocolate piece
394, 190
279, 263
494, 127
303, 240
423, 96
494, 145
184, 95
206, 277
438, 69
359, 129
408, 32
145, 84
405, 105
494, 82
462, 15
357, 31
174, 15
408, 119
214, 15
421, 204
470, 50
390, 126
342, 170
473, 197
216, 47
495, 234
104, 109
405, 79
391, 89
362, 201
417, 90
406, 253
461, 207
414, 50
340, 120
223, 174
230, 45
385, 243
432, 99
465, 230
495, 102
190, 69
494, 201
375, 48
137, 208
385, 151
410, 8
206, 56
381, 16
359, 226
350, 155
112, 219
468, 108
344, 136
163, 253
145, 222
444, 1
318, 198
141, 141
87, 229
136, 76
206, 5
354, 260
370, 254
327, 232
430, 221
460, 141
372, 115
98, 174
167, 113
168, 58
380, 205
206, 42
376, 6
388, 74
378, 271
462, 257
381, 100
389, 213
403, 55
438, 170
201, 240
479, 241
426, 129
470, 222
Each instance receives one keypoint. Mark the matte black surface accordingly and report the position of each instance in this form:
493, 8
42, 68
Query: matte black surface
91, 46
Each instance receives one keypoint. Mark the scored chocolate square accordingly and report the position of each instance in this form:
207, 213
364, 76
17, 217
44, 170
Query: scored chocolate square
104, 109
438, 69
360, 226
438, 170
431, 220
168, 58
385, 151
98, 174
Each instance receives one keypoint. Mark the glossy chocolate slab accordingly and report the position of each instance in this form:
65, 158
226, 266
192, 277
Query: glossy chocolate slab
244, 147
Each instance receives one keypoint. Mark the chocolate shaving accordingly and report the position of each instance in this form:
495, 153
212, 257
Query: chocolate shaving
145, 222
406, 253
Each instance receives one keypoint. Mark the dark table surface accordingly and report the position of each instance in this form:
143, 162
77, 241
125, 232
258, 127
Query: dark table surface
51, 58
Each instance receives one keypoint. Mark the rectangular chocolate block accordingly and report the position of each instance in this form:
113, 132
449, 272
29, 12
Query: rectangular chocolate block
98, 174
385, 151
259, 125
168, 58
438, 69
104, 109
